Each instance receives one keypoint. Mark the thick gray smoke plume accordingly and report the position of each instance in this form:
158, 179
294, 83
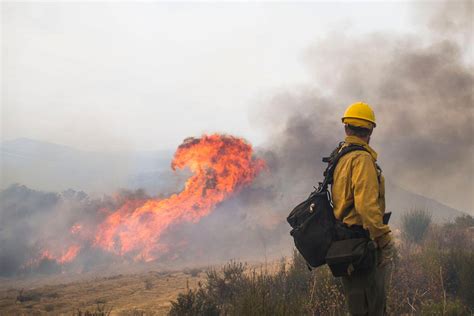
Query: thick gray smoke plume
421, 87
34, 221
29, 218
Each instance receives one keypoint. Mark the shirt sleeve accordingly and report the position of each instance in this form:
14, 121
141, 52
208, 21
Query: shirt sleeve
365, 186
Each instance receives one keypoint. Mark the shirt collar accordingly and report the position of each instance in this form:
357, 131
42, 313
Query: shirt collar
357, 141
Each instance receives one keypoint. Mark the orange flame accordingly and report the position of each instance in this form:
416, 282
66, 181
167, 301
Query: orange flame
65, 257
221, 166
69, 255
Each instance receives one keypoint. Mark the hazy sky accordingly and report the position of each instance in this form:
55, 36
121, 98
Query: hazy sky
147, 75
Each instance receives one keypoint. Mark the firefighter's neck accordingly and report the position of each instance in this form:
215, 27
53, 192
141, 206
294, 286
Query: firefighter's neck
365, 139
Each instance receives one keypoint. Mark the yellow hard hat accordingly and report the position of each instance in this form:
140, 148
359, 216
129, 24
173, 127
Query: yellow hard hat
359, 114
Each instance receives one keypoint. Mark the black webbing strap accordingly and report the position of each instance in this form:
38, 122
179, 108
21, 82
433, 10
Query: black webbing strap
332, 161
329, 173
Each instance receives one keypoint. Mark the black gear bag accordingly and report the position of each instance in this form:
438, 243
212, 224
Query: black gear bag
313, 222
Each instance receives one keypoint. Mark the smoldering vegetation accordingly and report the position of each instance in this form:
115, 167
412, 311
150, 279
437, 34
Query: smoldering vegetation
27, 217
32, 221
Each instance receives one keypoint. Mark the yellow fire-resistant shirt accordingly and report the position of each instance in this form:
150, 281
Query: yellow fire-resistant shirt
358, 191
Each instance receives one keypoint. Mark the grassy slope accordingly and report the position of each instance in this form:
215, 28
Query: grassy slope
150, 292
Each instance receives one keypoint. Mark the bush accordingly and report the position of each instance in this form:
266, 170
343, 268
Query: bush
101, 310
193, 272
436, 278
194, 302
238, 290
459, 273
464, 221
415, 224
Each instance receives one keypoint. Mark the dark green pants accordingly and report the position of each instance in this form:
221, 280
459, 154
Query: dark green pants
366, 293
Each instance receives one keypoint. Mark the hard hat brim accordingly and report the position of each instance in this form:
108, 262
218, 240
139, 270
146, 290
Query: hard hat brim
359, 122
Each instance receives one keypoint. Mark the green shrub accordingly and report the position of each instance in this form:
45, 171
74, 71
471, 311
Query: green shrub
459, 274
464, 221
415, 224
101, 310
194, 302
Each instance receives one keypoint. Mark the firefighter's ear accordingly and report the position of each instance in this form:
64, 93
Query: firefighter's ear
347, 130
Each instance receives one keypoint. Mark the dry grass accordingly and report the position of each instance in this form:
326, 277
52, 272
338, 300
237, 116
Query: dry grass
138, 294
434, 276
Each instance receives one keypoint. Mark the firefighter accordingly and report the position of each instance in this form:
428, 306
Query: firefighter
358, 195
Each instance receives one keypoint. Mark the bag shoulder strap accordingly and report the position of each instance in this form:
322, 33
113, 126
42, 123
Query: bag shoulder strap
334, 159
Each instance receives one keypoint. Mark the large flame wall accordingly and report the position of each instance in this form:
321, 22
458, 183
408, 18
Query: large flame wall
221, 165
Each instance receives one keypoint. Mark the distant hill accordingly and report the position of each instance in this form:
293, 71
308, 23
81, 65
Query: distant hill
400, 201
54, 167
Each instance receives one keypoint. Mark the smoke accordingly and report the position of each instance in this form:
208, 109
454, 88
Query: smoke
32, 221
28, 217
421, 87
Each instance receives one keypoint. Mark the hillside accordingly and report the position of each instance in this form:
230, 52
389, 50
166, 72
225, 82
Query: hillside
400, 200
53, 167
131, 294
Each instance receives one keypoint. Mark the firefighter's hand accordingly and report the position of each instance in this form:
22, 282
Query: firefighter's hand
387, 254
